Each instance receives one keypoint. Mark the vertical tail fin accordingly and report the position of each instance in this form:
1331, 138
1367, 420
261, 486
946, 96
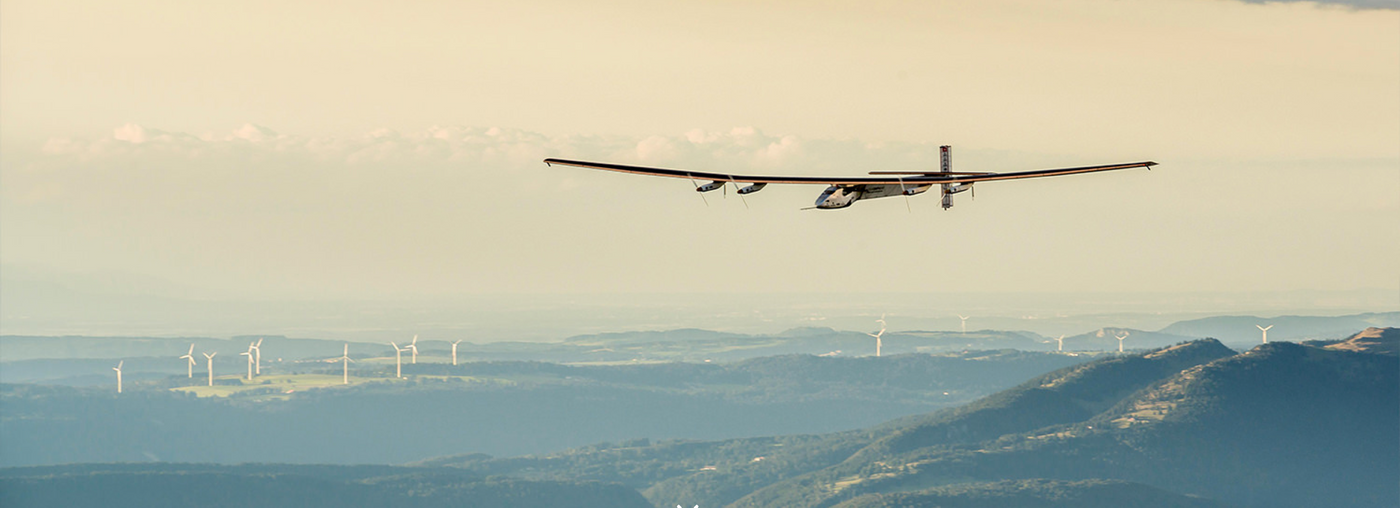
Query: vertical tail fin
945, 156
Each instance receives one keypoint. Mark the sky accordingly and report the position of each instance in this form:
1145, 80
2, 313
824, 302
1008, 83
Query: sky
362, 150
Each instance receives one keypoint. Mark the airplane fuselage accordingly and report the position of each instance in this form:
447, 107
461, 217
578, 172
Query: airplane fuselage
841, 196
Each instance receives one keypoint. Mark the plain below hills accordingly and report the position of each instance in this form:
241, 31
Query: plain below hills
497, 408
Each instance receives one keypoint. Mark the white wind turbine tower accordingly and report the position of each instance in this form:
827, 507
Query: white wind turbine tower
398, 359
454, 352
190, 356
413, 346
210, 361
118, 368
257, 360
345, 360
249, 354
878, 334
1060, 343
1120, 340
1265, 329
964, 322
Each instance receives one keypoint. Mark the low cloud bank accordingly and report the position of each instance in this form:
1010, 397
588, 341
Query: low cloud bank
735, 149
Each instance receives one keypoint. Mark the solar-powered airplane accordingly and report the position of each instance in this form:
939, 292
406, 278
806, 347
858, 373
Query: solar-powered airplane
842, 192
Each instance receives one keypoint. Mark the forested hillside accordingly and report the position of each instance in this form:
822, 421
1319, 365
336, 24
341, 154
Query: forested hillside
1247, 429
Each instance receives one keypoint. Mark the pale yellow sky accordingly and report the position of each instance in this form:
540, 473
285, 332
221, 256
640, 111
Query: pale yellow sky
1278, 127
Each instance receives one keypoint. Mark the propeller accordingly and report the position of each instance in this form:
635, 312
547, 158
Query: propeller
736, 189
906, 198
697, 189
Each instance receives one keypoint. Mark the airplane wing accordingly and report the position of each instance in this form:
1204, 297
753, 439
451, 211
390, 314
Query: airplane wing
882, 178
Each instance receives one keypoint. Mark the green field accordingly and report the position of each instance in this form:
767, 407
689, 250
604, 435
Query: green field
279, 385
282, 386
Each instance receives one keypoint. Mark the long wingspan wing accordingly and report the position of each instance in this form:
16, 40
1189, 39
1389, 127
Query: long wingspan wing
718, 177
920, 178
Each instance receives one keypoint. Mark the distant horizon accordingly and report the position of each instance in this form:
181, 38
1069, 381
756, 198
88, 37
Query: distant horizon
546, 317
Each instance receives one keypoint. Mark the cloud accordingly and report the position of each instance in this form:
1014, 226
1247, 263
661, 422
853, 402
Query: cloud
1354, 4
736, 149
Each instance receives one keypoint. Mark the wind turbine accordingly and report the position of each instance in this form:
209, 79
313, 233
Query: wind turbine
190, 356
249, 354
211, 366
964, 322
118, 368
1265, 329
1060, 343
454, 352
257, 361
345, 360
1120, 339
878, 334
398, 360
413, 346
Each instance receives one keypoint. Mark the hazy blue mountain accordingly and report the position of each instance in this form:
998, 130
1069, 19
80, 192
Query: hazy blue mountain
1105, 339
1237, 330
1282, 425
1073, 394
75, 361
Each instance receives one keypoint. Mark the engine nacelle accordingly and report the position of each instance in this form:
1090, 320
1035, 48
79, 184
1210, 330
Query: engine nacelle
753, 188
949, 190
709, 186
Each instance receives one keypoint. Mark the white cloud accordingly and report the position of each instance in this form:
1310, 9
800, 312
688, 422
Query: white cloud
130, 133
737, 149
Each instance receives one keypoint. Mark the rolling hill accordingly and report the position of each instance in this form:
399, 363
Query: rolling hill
1240, 330
1281, 425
